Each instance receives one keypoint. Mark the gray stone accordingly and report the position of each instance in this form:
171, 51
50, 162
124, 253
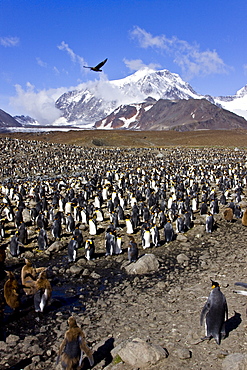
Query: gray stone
183, 353
76, 270
139, 353
145, 264
182, 258
181, 238
12, 339
54, 247
235, 361
94, 275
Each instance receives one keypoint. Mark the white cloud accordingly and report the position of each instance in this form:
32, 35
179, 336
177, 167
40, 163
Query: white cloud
9, 41
74, 57
37, 104
41, 63
136, 64
189, 57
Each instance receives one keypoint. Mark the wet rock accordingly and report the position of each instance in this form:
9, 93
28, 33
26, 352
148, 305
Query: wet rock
94, 275
235, 361
138, 353
145, 264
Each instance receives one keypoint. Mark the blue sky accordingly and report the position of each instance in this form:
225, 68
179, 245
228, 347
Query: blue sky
45, 43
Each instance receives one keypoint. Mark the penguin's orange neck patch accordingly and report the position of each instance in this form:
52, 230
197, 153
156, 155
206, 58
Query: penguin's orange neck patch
214, 286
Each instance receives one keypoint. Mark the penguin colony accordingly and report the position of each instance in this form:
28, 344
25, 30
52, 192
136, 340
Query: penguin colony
138, 198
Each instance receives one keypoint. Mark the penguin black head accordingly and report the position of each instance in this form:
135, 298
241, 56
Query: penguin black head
215, 284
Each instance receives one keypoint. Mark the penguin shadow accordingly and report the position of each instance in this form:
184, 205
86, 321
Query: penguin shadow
21, 364
232, 323
102, 353
100, 230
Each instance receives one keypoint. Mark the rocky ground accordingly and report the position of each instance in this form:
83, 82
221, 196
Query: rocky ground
133, 321
162, 308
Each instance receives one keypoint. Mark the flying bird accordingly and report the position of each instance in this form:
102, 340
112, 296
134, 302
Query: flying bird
97, 68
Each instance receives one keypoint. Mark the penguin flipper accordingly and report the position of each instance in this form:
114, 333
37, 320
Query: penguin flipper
244, 285
85, 349
242, 292
226, 309
204, 312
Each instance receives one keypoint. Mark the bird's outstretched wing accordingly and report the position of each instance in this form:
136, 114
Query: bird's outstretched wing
101, 64
97, 68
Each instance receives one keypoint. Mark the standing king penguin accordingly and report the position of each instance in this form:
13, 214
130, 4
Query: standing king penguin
215, 312
43, 292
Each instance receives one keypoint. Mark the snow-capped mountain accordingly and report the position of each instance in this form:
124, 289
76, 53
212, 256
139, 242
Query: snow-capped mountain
92, 104
125, 103
26, 120
87, 106
235, 103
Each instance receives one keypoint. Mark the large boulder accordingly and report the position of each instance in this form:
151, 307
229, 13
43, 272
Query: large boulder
235, 361
140, 354
145, 264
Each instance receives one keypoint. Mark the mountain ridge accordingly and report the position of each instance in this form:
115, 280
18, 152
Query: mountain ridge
87, 107
179, 115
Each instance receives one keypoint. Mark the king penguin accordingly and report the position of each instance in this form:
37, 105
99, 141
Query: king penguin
129, 226
209, 223
89, 249
168, 231
56, 228
92, 226
215, 312
14, 245
146, 238
132, 250
43, 292
72, 250
42, 240
155, 235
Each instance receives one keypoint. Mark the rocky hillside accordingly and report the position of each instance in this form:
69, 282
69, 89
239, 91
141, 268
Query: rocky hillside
179, 115
6, 120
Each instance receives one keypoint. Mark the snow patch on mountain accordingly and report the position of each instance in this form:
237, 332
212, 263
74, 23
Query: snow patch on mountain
235, 103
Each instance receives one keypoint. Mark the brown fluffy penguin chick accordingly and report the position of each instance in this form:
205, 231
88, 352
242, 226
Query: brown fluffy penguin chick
73, 347
228, 214
244, 218
28, 277
10, 290
43, 292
